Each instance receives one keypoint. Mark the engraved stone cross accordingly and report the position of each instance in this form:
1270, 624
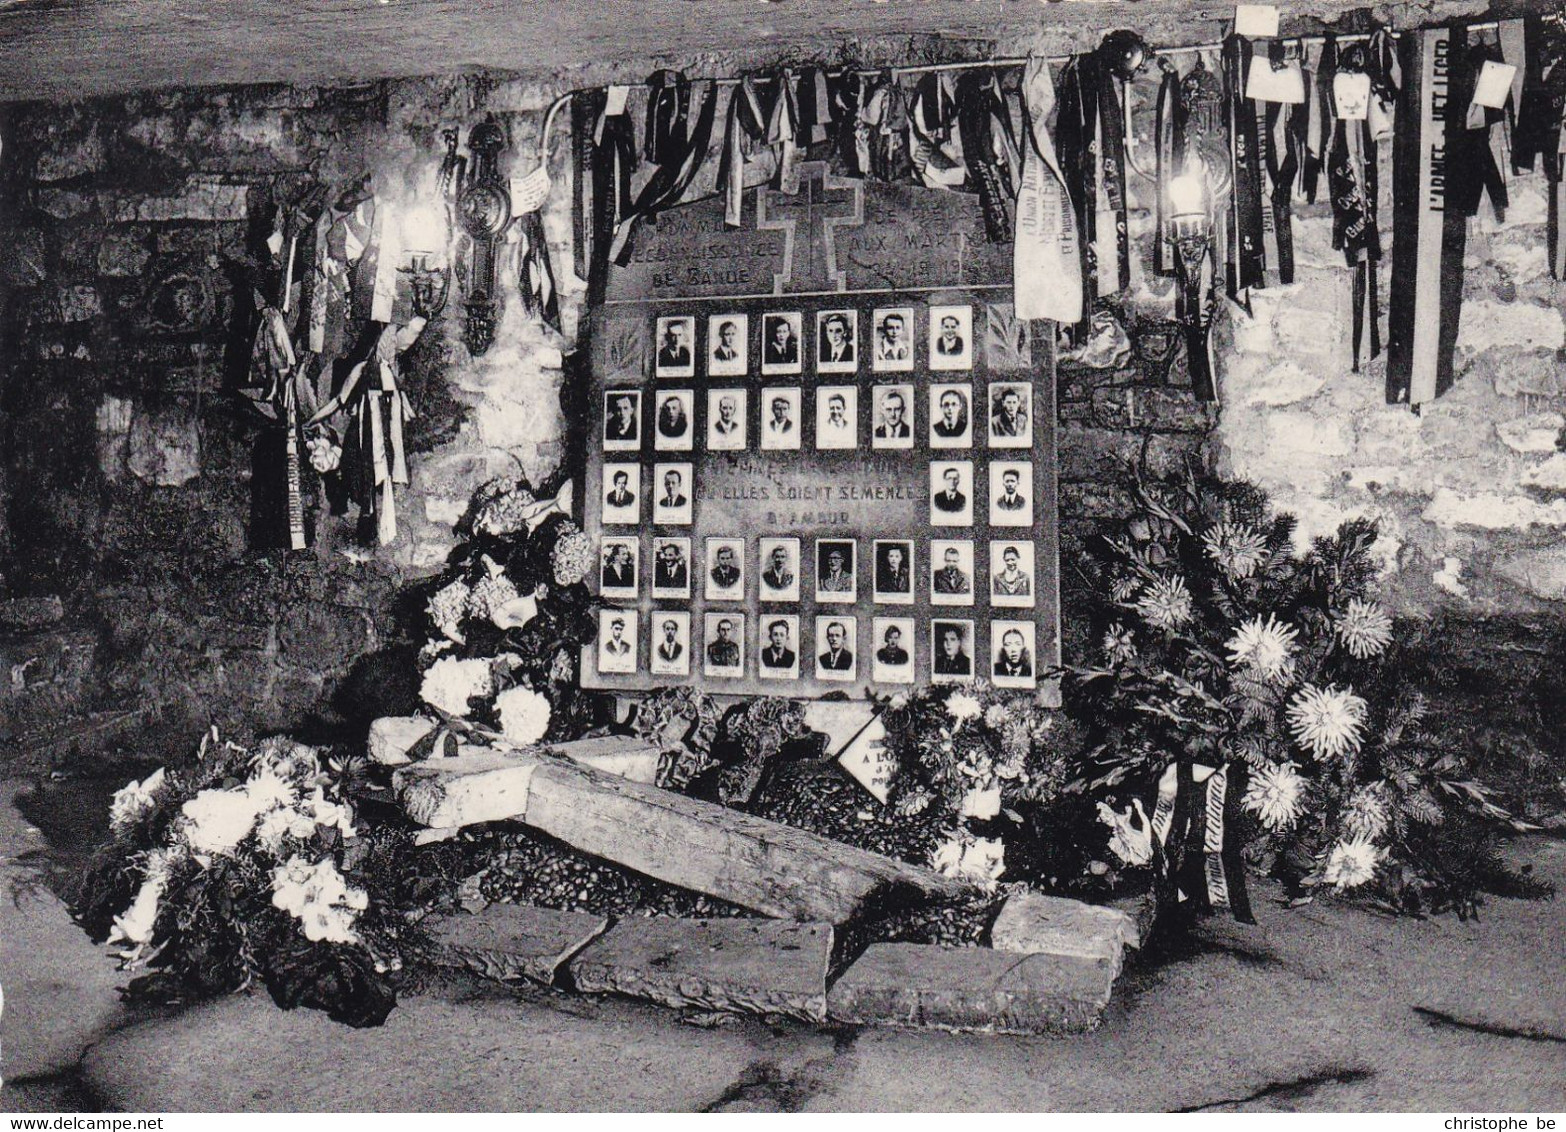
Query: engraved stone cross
808, 222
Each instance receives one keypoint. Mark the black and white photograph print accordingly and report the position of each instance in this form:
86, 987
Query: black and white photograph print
1011, 493
951, 572
951, 493
1011, 574
892, 416
726, 420
616, 641
893, 350
724, 571
780, 342
617, 567
951, 416
837, 341
622, 420
951, 651
837, 409
835, 571
778, 560
777, 655
674, 424
728, 343
622, 494
1011, 414
671, 567
672, 488
1012, 662
675, 355
723, 645
780, 427
670, 633
836, 648
892, 573
951, 338
892, 638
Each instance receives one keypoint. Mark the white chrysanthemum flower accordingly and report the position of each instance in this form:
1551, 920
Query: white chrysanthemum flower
319, 898
1123, 590
268, 789
135, 799
1276, 795
216, 821
1239, 549
283, 823
1119, 644
450, 683
1351, 863
1130, 840
1165, 603
447, 608
1264, 646
1364, 628
524, 714
963, 706
996, 716
1368, 812
1328, 722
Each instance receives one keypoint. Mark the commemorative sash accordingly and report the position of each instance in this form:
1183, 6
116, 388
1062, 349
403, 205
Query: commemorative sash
1046, 261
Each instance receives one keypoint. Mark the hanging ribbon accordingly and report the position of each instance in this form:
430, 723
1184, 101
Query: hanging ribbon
1353, 184
984, 125
934, 142
1428, 233
1321, 61
1164, 166
1046, 260
1473, 170
669, 182
1538, 132
1248, 262
783, 134
1200, 861
743, 138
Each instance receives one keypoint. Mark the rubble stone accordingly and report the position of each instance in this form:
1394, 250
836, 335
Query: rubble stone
516, 941
1033, 922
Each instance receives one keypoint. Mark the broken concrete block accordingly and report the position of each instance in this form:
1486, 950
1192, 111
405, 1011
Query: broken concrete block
1033, 922
920, 986
613, 754
516, 941
773, 869
392, 735
755, 966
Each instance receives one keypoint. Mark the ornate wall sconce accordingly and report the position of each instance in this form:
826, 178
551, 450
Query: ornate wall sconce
483, 207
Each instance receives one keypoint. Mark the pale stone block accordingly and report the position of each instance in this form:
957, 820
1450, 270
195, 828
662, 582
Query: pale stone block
1537, 432
1488, 325
516, 941
1283, 384
1032, 922
613, 754
1548, 476
391, 736
479, 785
1492, 511
203, 198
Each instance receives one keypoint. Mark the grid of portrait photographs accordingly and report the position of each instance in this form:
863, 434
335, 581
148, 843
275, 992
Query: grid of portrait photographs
955, 602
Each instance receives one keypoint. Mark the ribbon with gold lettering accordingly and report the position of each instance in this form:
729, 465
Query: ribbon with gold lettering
1247, 254
1046, 262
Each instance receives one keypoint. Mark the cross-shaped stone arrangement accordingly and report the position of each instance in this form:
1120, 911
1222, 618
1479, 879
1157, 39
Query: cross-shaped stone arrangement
823, 204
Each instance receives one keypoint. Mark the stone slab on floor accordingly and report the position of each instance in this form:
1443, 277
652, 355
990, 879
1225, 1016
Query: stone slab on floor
1034, 922
768, 867
975, 989
391, 737
516, 941
749, 966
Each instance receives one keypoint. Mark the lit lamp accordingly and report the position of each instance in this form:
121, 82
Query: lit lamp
1191, 230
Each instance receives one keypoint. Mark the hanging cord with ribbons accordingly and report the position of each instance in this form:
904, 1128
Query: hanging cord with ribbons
1353, 186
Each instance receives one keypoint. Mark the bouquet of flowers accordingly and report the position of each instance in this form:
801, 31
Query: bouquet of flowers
246, 867
1246, 697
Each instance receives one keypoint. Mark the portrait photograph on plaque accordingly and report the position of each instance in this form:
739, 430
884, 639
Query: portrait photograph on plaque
780, 343
951, 572
836, 648
1011, 494
893, 639
892, 573
778, 655
726, 420
779, 559
837, 409
671, 648
672, 494
780, 427
1011, 574
1011, 660
892, 414
671, 575
837, 341
951, 493
674, 423
622, 493
835, 573
728, 345
675, 355
951, 337
723, 646
951, 416
1011, 414
617, 567
893, 330
616, 641
951, 650
622, 420
725, 569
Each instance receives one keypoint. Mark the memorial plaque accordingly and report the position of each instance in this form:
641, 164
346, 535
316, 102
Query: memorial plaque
846, 444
